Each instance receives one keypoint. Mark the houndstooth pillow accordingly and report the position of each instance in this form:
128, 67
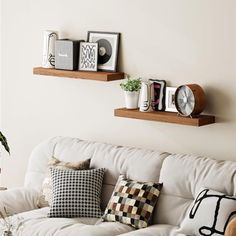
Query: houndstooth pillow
132, 202
76, 193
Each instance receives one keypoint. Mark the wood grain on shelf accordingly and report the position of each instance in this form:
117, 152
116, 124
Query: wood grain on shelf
169, 117
100, 75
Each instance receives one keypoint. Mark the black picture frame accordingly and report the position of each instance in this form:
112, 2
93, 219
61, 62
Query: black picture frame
159, 94
111, 64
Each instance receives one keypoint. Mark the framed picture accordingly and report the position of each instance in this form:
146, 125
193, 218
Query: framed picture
108, 49
170, 99
159, 87
88, 56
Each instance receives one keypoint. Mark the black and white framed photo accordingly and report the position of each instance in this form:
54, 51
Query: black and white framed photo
170, 99
108, 49
88, 56
159, 87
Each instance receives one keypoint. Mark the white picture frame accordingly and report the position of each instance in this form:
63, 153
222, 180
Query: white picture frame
170, 99
88, 56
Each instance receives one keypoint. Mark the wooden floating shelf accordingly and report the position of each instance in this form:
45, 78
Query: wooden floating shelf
169, 117
100, 75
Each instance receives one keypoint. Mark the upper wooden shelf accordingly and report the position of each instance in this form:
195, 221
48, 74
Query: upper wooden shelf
163, 116
100, 75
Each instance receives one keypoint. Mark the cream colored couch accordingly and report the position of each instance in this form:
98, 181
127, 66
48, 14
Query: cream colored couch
182, 176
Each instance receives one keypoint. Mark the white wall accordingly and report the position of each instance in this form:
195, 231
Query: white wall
180, 41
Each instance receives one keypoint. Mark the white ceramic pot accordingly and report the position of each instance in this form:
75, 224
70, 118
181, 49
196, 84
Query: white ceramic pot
131, 99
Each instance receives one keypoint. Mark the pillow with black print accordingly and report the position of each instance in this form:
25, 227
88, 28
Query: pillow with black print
76, 193
209, 214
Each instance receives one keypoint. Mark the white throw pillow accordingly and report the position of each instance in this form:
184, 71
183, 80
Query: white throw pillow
209, 214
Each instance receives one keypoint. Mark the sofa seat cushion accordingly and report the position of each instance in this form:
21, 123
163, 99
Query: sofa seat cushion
156, 230
37, 223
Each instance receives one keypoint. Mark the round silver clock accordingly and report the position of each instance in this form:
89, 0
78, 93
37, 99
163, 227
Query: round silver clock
189, 99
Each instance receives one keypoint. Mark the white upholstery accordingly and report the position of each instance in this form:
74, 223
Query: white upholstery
137, 164
154, 230
182, 177
36, 223
18, 200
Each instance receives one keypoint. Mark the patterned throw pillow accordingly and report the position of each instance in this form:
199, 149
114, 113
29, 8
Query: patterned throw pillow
209, 214
76, 193
132, 202
45, 198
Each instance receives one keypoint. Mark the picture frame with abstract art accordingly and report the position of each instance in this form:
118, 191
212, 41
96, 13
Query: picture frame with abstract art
88, 56
170, 99
108, 49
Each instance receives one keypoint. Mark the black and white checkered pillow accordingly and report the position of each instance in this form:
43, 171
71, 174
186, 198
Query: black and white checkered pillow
76, 193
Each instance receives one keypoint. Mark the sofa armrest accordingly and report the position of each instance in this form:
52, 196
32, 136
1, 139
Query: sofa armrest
231, 228
18, 200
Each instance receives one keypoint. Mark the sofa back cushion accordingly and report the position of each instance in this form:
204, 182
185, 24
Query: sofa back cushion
183, 176
137, 164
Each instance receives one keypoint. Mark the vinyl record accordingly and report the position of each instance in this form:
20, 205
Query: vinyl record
104, 51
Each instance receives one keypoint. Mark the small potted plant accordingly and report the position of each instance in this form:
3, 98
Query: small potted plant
131, 88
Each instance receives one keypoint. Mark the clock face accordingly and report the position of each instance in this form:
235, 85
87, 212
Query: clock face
185, 100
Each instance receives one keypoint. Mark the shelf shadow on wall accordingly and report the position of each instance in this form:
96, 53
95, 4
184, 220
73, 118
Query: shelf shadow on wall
218, 104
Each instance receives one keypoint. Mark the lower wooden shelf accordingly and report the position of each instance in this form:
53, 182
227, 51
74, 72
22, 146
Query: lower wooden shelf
169, 117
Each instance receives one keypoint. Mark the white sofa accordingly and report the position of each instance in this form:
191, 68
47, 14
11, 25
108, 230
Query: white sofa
182, 177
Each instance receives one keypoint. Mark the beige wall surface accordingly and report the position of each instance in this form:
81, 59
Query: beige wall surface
181, 41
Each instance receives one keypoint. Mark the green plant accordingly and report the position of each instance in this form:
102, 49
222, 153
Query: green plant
3, 140
132, 84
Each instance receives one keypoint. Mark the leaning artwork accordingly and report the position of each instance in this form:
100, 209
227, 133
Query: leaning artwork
88, 56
